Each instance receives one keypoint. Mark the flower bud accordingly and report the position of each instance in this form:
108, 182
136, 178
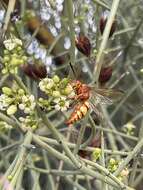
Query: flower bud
6, 58
113, 165
14, 61
112, 161
103, 21
10, 44
6, 90
83, 45
64, 82
9, 100
24, 58
21, 92
18, 48
6, 52
50, 84
105, 74
124, 172
34, 127
96, 153
9, 177
56, 79
12, 109
20, 61
56, 94
68, 90
129, 128
14, 54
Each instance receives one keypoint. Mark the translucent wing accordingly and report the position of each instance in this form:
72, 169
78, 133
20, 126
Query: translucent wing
105, 96
94, 108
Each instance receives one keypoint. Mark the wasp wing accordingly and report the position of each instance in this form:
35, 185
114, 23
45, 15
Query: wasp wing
94, 108
105, 96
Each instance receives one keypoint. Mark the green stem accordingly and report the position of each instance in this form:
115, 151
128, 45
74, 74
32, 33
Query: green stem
100, 55
124, 99
54, 171
3, 79
20, 83
22, 153
90, 149
74, 183
102, 4
80, 137
117, 133
70, 14
83, 169
60, 139
50, 178
11, 5
131, 155
107, 173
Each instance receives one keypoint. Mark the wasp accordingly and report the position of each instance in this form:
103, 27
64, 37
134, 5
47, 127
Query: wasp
88, 97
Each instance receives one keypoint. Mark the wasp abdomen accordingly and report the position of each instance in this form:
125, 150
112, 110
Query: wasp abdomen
79, 112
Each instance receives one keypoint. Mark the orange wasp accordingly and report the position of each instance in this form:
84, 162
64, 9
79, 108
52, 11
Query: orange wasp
89, 97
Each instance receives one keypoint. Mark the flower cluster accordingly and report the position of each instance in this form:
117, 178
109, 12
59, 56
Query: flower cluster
27, 103
129, 128
59, 92
14, 98
4, 126
29, 121
113, 166
96, 154
14, 55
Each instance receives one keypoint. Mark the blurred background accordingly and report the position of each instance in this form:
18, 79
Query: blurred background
53, 48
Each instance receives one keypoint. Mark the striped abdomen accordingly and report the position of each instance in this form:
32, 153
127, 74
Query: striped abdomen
78, 113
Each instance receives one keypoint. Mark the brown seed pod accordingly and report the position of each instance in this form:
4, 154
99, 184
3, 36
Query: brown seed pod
83, 153
105, 74
102, 24
45, 37
83, 45
34, 71
96, 141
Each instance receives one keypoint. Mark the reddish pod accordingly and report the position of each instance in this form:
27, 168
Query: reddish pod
105, 74
84, 154
96, 141
103, 21
35, 71
83, 45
